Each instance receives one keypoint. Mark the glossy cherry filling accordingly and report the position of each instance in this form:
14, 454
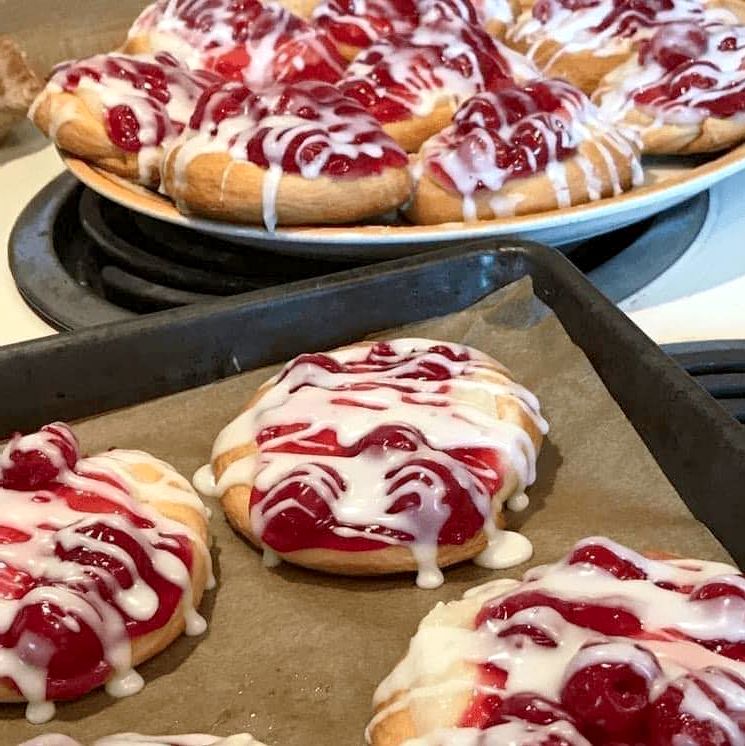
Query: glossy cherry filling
308, 521
624, 18
347, 26
152, 85
41, 633
608, 693
431, 67
316, 112
518, 129
692, 79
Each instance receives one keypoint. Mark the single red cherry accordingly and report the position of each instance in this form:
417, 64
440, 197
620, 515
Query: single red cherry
674, 45
609, 700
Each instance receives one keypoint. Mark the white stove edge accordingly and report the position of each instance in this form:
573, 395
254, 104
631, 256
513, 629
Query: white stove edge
701, 297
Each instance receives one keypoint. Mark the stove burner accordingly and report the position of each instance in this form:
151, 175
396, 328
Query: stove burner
80, 260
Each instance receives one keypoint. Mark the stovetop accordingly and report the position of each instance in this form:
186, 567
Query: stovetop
79, 259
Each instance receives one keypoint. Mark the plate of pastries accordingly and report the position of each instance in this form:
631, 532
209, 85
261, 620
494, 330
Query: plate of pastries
378, 458
407, 120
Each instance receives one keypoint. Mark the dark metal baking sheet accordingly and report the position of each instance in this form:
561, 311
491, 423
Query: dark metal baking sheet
698, 445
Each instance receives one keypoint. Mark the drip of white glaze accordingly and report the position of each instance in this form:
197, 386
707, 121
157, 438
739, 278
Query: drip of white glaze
447, 639
458, 412
51, 524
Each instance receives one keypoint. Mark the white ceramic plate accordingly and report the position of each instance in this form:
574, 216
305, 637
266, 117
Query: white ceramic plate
668, 182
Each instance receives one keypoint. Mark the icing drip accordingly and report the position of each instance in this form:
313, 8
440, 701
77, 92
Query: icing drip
604, 27
380, 444
442, 63
604, 643
520, 131
146, 100
308, 129
682, 75
86, 565
259, 44
136, 739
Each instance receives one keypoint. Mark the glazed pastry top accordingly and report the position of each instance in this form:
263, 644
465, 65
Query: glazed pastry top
380, 444
682, 75
607, 642
447, 61
518, 131
86, 565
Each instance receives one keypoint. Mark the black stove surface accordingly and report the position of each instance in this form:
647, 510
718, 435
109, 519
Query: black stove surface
81, 260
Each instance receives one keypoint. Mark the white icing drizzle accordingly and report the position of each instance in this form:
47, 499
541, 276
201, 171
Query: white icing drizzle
669, 652
368, 21
376, 387
468, 152
137, 739
439, 63
604, 27
42, 524
715, 53
259, 43
326, 123
158, 92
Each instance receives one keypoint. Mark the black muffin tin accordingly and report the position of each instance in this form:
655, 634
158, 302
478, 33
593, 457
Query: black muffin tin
698, 445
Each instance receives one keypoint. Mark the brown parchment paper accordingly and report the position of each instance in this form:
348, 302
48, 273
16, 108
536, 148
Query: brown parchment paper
294, 656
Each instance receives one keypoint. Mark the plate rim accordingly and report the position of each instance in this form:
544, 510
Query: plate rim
155, 205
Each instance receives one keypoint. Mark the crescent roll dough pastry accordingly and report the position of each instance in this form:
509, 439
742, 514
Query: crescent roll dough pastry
604, 646
413, 82
118, 111
583, 40
136, 739
103, 561
356, 26
684, 92
295, 155
383, 457
256, 43
520, 150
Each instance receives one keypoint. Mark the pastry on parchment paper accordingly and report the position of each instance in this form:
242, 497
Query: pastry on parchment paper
103, 561
604, 646
383, 457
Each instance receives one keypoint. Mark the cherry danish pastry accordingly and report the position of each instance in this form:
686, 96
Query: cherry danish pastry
119, 112
604, 647
135, 739
300, 154
103, 560
413, 83
685, 92
583, 40
259, 44
355, 26
382, 457
520, 150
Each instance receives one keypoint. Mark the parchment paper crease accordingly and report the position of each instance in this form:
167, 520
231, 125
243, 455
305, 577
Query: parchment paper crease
294, 656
